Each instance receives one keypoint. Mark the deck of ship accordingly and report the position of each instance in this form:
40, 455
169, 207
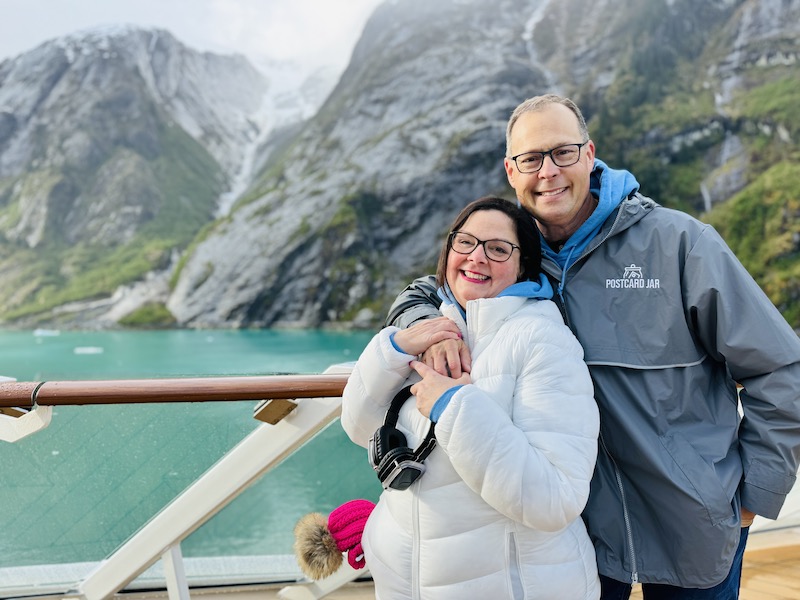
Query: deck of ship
771, 568
773, 575
771, 572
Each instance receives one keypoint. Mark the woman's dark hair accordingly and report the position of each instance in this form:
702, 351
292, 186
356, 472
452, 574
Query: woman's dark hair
529, 247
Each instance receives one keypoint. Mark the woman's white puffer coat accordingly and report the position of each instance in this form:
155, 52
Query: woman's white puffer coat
496, 515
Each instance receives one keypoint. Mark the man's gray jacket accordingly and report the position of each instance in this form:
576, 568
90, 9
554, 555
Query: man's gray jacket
670, 322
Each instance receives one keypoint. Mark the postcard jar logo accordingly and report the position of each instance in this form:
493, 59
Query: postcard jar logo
632, 278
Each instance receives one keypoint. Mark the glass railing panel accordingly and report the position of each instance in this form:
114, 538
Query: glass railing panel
73, 492
251, 539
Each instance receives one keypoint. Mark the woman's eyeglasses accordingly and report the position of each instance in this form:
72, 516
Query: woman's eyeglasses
496, 250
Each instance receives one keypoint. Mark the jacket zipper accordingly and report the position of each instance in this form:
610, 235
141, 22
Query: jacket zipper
415, 591
562, 281
608, 234
617, 476
625, 514
514, 571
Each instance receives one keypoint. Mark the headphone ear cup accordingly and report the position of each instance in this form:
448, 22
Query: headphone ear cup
387, 438
397, 455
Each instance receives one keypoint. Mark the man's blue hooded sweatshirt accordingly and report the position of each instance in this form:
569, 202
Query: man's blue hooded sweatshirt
610, 187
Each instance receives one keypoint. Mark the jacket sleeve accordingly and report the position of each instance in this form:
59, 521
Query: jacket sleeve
417, 302
535, 464
378, 375
738, 325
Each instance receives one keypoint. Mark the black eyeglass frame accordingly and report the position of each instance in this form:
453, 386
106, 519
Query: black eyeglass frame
549, 153
483, 243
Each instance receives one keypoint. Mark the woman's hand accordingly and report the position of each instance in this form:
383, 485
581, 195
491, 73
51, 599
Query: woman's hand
419, 337
432, 386
450, 357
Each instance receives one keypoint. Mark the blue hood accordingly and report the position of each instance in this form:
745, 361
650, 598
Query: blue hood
610, 187
541, 290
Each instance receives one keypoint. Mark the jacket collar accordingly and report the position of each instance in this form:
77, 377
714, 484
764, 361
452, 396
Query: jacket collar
629, 212
484, 317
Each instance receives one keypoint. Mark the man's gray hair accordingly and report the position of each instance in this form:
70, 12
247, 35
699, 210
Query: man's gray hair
538, 103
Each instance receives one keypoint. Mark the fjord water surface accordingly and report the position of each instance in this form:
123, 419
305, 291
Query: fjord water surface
75, 491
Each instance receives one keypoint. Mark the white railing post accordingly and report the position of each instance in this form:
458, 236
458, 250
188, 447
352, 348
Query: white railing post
175, 574
313, 590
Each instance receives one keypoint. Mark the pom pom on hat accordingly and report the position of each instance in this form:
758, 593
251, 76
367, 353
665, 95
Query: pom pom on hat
315, 548
319, 543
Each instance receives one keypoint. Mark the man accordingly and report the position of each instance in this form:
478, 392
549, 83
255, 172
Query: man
670, 322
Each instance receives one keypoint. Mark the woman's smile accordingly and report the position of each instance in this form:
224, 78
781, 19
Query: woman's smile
474, 275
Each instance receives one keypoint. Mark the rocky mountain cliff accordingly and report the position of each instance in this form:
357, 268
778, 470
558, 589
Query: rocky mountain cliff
342, 210
117, 146
354, 207
355, 203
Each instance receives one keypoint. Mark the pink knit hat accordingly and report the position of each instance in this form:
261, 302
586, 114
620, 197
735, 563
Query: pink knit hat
346, 525
319, 543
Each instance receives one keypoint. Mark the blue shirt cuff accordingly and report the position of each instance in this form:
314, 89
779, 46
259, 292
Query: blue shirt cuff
395, 346
442, 402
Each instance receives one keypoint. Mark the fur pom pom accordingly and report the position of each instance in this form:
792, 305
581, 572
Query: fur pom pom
315, 548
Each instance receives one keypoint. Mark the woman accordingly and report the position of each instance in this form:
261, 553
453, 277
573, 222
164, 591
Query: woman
496, 513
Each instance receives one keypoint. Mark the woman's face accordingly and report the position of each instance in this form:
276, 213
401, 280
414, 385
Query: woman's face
472, 276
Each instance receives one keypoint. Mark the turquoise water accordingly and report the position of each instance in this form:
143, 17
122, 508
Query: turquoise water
78, 489
122, 354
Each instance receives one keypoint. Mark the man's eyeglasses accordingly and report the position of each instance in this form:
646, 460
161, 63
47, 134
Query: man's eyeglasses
496, 250
563, 156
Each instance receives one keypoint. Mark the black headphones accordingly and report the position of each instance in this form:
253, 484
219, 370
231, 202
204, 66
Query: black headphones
397, 465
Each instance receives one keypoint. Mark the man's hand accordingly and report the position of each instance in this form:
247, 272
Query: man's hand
432, 386
421, 336
450, 357
747, 517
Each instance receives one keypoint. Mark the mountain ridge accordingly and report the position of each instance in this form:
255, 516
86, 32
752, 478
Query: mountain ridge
343, 207
117, 145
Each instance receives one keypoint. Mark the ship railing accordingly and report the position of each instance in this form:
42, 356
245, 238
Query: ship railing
294, 408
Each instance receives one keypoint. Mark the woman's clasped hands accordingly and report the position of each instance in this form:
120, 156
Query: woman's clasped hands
432, 386
417, 339
421, 336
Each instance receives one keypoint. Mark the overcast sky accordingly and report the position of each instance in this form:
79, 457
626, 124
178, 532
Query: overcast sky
310, 31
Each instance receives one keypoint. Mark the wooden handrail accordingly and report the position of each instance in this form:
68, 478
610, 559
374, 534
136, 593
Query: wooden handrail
26, 394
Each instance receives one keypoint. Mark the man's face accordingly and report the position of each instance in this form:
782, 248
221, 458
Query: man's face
553, 195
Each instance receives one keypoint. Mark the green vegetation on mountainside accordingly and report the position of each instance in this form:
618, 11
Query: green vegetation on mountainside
762, 222
777, 101
659, 120
154, 314
762, 226
56, 273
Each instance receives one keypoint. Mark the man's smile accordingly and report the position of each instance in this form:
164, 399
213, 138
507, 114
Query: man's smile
552, 192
